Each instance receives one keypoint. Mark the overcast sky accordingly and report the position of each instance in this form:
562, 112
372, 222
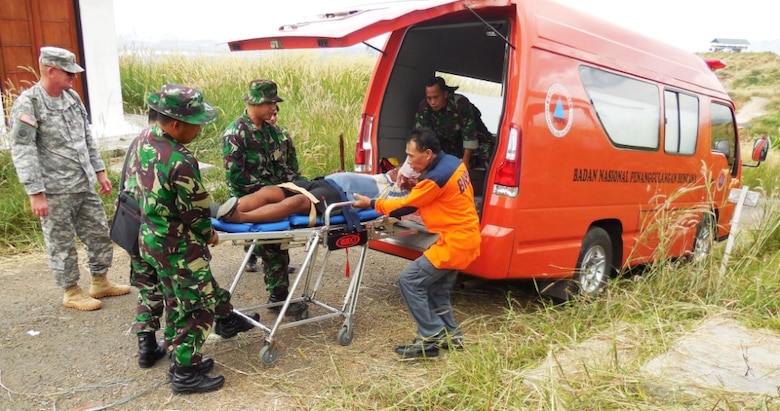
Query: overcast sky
689, 24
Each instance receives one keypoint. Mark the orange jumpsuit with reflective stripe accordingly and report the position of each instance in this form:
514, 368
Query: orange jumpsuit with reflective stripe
445, 198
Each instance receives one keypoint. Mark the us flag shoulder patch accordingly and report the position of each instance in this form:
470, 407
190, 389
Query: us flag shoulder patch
29, 119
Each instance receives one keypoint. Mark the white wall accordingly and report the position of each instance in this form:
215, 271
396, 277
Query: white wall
101, 62
4, 143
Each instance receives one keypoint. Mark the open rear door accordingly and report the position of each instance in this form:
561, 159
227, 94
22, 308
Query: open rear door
344, 28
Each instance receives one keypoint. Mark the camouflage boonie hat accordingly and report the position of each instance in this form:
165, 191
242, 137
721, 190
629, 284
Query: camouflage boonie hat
262, 91
182, 103
59, 58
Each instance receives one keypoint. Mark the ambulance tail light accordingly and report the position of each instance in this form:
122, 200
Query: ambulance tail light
363, 149
507, 182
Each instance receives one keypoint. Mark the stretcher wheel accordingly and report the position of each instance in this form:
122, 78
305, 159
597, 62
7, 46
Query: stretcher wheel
269, 354
302, 315
345, 335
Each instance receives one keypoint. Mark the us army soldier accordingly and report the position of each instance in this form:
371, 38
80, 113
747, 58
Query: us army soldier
58, 163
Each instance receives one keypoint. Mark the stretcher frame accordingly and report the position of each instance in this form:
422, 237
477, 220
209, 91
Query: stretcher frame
304, 286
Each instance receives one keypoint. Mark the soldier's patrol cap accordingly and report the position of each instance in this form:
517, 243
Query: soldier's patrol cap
59, 58
182, 103
262, 91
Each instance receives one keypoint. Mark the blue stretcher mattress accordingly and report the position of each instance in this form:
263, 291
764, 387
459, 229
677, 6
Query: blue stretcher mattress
292, 222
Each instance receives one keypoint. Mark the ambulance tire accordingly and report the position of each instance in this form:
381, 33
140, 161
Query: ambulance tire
705, 233
594, 264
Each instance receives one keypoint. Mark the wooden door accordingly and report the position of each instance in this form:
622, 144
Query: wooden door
25, 27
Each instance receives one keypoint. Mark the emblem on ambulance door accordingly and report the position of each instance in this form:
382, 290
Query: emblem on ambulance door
721, 180
558, 110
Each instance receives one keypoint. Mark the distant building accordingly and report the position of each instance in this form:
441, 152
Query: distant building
732, 45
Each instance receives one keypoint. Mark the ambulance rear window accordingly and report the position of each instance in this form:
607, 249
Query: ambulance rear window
629, 110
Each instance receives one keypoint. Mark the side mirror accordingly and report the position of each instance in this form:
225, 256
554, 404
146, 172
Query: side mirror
760, 150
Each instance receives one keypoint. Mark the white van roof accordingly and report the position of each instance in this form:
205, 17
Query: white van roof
549, 24
344, 28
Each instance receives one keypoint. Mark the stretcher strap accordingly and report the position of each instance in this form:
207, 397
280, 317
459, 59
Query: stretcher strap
350, 213
300, 190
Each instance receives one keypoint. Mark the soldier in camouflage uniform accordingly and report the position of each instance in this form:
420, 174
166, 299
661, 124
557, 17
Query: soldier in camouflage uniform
150, 303
257, 153
176, 231
58, 163
457, 122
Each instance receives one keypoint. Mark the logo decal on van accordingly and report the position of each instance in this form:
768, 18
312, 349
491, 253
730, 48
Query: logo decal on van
558, 110
721, 180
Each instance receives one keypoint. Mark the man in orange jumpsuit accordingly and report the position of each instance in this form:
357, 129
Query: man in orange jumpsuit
445, 199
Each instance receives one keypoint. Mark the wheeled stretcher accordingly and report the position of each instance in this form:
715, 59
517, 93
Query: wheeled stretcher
331, 233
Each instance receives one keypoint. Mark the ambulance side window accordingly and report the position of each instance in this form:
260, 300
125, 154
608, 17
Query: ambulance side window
629, 110
682, 122
724, 133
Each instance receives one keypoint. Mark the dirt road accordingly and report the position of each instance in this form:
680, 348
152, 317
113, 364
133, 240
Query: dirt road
52, 357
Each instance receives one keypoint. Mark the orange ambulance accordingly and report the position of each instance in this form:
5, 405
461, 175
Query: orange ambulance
612, 149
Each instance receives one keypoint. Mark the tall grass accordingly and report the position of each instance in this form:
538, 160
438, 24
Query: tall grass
322, 100
322, 96
20, 231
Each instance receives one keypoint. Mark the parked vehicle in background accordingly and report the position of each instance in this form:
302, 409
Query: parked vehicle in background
612, 149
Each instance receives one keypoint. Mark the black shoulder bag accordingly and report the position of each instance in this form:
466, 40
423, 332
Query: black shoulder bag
127, 218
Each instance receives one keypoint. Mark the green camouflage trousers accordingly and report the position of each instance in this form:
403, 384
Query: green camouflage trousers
275, 263
199, 300
151, 302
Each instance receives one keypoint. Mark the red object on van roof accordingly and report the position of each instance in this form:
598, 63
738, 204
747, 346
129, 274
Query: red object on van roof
715, 64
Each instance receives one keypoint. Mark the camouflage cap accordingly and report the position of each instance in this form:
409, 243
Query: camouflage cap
182, 103
60, 58
262, 91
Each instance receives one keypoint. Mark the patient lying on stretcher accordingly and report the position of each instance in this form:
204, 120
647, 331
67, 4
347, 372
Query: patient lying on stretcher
275, 203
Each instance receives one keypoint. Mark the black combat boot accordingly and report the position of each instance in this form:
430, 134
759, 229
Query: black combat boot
187, 380
293, 309
418, 348
149, 351
251, 265
205, 366
230, 326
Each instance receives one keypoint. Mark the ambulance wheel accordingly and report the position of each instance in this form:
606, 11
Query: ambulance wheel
705, 233
594, 264
345, 335
302, 315
269, 354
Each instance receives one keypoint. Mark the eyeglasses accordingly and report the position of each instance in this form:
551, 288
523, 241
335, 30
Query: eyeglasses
66, 73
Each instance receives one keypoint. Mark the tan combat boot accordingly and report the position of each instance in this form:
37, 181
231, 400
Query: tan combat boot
76, 298
102, 287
